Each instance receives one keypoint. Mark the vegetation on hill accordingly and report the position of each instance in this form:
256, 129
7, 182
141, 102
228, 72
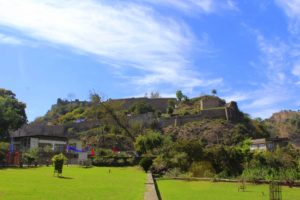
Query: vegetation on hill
285, 124
218, 131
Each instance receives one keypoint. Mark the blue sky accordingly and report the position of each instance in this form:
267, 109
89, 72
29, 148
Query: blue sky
248, 50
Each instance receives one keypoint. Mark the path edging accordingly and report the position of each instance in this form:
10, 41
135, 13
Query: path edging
151, 191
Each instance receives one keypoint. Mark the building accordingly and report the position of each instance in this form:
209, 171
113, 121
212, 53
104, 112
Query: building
268, 144
44, 137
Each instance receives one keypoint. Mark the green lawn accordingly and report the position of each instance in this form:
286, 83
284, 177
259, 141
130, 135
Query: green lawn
78, 183
194, 190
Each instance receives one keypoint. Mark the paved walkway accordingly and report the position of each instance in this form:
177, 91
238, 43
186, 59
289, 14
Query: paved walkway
150, 192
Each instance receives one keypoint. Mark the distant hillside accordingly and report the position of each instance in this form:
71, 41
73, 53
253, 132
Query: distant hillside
119, 121
285, 124
65, 111
218, 131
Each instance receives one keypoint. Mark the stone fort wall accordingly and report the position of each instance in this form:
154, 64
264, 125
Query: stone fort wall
228, 112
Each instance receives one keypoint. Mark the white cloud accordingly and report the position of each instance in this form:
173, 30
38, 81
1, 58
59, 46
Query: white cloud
237, 97
290, 7
123, 35
6, 39
296, 70
274, 55
292, 10
196, 6
275, 87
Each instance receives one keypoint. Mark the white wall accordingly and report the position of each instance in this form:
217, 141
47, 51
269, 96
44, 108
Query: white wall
34, 143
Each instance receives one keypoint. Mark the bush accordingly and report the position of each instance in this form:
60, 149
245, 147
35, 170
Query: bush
59, 161
149, 142
202, 169
255, 174
31, 156
86, 163
268, 173
141, 108
159, 166
175, 172
146, 163
3, 149
180, 160
288, 175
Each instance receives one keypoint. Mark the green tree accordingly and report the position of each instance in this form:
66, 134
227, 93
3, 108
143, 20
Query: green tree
214, 92
179, 95
95, 98
147, 143
12, 112
141, 108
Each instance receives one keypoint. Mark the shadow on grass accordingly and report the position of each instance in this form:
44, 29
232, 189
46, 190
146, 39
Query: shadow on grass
64, 177
18, 168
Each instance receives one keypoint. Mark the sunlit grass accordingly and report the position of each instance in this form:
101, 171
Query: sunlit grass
77, 183
204, 190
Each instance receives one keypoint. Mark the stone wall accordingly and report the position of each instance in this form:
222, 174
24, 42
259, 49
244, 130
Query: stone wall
204, 114
160, 104
228, 112
147, 118
211, 102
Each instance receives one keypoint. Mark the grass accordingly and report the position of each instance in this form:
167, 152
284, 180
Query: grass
76, 183
201, 190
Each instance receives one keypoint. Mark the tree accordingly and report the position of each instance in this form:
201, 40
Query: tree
146, 163
12, 112
147, 143
95, 98
179, 95
214, 92
141, 108
154, 95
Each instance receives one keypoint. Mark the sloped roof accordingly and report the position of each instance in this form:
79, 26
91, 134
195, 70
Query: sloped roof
40, 130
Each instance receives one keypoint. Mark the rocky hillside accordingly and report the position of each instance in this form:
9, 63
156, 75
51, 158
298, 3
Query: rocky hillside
218, 131
285, 124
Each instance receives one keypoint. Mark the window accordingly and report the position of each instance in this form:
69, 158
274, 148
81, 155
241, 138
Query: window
59, 147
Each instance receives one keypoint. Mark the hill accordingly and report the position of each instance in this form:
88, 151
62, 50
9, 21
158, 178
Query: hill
120, 121
285, 124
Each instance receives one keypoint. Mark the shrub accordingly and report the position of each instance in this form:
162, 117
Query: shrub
175, 172
3, 148
159, 166
180, 160
202, 169
255, 174
288, 175
147, 143
268, 173
59, 161
31, 156
146, 163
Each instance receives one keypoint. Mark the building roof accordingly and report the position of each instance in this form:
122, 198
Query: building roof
43, 129
40, 130
265, 140
259, 141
